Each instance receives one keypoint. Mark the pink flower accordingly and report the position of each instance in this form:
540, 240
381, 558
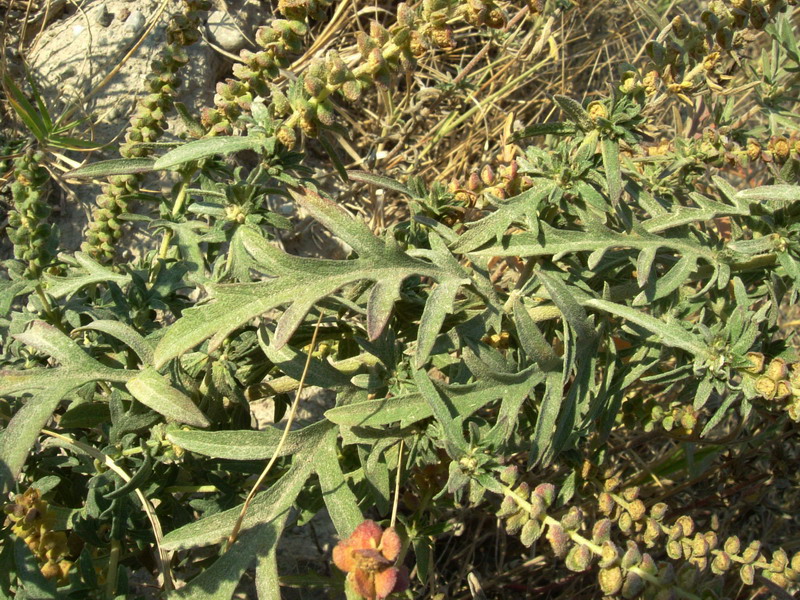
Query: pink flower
368, 558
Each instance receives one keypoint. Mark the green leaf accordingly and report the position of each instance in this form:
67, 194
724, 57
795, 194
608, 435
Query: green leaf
542, 445
445, 413
326, 144
340, 500
25, 110
380, 181
670, 333
556, 128
125, 333
610, 149
9, 290
206, 147
220, 580
154, 391
557, 242
35, 585
245, 444
564, 299
266, 506
494, 225
60, 287
107, 168
771, 197
55, 343
411, 408
439, 304
575, 112
302, 282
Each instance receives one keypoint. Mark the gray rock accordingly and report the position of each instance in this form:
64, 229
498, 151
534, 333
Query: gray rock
223, 31
101, 16
135, 21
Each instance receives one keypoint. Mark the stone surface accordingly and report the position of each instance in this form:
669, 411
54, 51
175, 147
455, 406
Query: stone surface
223, 31
80, 62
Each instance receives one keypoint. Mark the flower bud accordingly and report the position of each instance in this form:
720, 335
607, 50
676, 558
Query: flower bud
732, 545
531, 531
610, 580
559, 540
633, 586
632, 556
747, 573
547, 492
605, 503
601, 532
579, 559
777, 369
609, 554
573, 519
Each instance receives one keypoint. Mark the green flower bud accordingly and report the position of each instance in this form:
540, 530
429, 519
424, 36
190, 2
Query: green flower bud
751, 553
605, 503
732, 545
573, 519
601, 532
325, 113
610, 580
314, 86
579, 559
531, 531
747, 573
632, 556
559, 540
674, 549
351, 90
507, 507
515, 522
510, 474
721, 563
609, 554
633, 586
547, 492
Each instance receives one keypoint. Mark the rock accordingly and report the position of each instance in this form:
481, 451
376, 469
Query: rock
101, 16
135, 22
223, 31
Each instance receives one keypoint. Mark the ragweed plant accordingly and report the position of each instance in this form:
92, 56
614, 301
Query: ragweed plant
572, 352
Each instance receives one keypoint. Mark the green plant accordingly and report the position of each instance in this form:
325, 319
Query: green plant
570, 338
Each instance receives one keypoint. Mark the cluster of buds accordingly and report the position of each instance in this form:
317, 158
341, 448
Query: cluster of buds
383, 52
629, 569
146, 126
779, 149
306, 105
676, 416
480, 13
278, 42
31, 521
28, 228
505, 182
696, 52
776, 381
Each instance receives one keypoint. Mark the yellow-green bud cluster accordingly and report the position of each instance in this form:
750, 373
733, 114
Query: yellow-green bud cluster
146, 126
279, 42
32, 521
776, 381
28, 228
694, 54
624, 570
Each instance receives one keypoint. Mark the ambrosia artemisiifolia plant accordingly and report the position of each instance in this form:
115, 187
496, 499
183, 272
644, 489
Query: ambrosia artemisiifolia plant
586, 341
